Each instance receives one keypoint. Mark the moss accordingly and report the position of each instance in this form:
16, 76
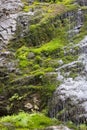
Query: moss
16, 97
78, 127
73, 75
69, 58
38, 34
43, 30
26, 8
47, 39
36, 66
38, 74
2, 86
27, 121
72, 125
21, 54
38, 59
83, 126
49, 47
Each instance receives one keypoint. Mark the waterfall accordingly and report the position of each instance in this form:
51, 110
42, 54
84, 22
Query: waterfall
70, 98
75, 24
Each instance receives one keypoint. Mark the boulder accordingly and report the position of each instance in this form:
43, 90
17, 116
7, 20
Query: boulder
31, 55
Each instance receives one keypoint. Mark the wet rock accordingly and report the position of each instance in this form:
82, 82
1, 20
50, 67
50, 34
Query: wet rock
69, 101
71, 97
60, 77
61, 127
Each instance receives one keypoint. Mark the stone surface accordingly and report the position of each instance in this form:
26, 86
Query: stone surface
9, 11
61, 127
11, 16
31, 55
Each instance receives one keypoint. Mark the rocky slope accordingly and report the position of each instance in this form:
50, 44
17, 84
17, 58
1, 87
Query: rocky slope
34, 59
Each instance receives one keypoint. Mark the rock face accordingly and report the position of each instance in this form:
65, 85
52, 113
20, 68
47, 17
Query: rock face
70, 98
82, 2
8, 15
11, 17
61, 127
9, 10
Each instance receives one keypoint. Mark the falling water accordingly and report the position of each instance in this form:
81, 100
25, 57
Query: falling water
80, 83
74, 24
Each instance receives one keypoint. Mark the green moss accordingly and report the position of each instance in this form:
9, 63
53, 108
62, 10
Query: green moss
72, 125
49, 47
23, 63
38, 59
36, 66
69, 58
16, 97
21, 54
26, 8
73, 75
27, 121
83, 127
38, 74
78, 127
38, 34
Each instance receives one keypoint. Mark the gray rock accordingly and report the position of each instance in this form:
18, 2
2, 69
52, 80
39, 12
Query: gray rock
31, 55
9, 11
61, 127
4, 35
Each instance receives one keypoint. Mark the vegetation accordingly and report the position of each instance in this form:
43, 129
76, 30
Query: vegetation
25, 121
46, 45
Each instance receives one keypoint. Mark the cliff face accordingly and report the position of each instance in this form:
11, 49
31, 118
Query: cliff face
8, 13
39, 50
